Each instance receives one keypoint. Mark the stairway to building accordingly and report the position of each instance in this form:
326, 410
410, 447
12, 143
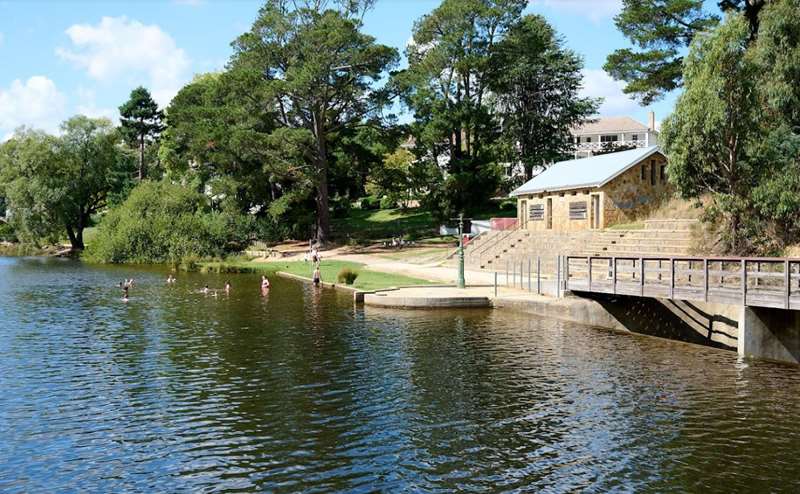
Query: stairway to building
497, 250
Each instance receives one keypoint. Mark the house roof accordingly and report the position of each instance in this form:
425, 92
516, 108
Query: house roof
594, 171
610, 124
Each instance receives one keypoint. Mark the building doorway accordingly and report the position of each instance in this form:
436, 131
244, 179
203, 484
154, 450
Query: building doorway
595, 212
549, 213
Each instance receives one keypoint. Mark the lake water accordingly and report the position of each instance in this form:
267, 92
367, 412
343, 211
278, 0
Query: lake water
175, 391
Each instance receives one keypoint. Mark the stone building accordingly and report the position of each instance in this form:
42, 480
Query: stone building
594, 192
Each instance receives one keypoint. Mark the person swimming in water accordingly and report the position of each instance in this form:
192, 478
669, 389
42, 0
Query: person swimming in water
124, 292
205, 289
171, 279
227, 286
264, 282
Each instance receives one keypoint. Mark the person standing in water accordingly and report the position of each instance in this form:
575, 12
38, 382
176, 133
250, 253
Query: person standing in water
264, 282
316, 277
227, 287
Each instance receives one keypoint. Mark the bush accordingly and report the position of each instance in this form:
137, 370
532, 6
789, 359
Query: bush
163, 222
370, 202
508, 206
7, 233
388, 202
347, 276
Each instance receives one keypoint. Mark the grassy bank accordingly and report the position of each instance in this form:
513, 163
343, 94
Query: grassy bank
417, 223
367, 279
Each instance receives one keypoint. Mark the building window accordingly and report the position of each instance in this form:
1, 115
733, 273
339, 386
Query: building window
663, 173
536, 212
577, 210
644, 172
609, 138
652, 172
635, 137
588, 139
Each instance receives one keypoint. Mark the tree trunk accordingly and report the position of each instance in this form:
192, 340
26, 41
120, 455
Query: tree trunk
141, 159
75, 238
323, 216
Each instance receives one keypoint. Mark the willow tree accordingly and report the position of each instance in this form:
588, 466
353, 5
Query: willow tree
320, 73
55, 184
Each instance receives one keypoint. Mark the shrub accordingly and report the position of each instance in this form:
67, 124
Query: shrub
388, 202
370, 202
163, 222
347, 276
7, 233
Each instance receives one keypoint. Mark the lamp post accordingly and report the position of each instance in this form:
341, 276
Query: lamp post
461, 283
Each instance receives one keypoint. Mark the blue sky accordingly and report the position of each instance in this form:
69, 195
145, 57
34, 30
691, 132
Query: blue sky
60, 58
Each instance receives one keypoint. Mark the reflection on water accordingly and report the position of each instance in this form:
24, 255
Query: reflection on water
298, 390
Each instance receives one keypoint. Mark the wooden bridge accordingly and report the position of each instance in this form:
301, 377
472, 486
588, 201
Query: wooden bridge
750, 282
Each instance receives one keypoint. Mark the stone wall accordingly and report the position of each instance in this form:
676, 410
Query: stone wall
633, 195
630, 196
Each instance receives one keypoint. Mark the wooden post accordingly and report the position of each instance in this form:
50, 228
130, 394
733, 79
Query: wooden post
529, 274
513, 275
521, 277
705, 279
590, 273
614, 275
787, 281
744, 282
671, 278
538, 275
495, 283
558, 276
641, 276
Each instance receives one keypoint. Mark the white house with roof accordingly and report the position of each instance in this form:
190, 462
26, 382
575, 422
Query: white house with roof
594, 192
609, 133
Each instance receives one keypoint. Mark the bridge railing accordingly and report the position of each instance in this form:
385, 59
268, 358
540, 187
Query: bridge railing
753, 281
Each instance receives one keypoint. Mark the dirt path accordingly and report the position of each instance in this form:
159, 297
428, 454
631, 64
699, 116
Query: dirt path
371, 258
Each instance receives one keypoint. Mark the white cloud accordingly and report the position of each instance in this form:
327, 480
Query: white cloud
87, 106
122, 49
35, 103
595, 10
598, 84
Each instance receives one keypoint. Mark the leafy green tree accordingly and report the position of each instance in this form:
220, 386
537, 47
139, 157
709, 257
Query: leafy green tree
733, 135
166, 222
140, 121
320, 74
55, 184
660, 31
447, 87
537, 82
219, 136
393, 178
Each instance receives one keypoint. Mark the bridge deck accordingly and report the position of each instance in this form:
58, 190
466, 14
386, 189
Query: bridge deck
759, 282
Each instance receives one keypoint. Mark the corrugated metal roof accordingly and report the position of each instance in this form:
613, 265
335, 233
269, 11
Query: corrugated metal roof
594, 171
609, 124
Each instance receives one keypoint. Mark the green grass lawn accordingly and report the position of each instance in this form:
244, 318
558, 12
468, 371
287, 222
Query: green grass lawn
367, 280
374, 224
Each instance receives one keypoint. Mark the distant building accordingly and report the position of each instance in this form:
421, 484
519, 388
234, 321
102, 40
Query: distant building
594, 192
610, 134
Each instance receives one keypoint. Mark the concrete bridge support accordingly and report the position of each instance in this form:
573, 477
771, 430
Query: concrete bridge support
772, 334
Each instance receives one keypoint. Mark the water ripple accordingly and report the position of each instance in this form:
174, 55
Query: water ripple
300, 391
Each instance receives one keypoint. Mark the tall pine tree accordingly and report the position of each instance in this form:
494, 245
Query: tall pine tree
141, 123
